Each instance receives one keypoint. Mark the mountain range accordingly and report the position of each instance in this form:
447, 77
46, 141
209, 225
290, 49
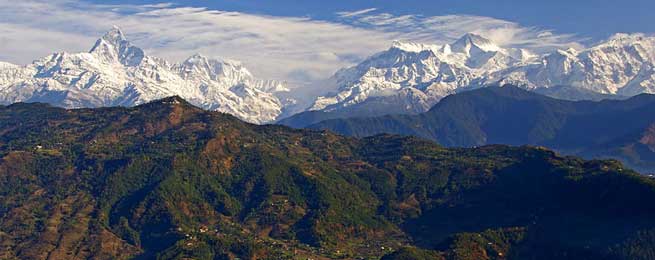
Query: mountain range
116, 73
620, 129
408, 78
168, 180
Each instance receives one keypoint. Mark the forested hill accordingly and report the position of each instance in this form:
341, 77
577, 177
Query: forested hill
619, 129
168, 180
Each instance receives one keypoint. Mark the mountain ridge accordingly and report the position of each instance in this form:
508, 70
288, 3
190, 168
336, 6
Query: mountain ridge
621, 66
432, 71
116, 73
408, 78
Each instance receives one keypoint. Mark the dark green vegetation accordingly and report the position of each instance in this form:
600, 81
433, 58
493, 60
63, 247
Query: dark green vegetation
619, 129
167, 180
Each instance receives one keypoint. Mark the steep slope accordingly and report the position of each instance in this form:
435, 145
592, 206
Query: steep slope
116, 73
168, 180
509, 115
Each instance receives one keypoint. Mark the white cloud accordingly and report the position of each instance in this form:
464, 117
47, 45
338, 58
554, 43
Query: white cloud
288, 48
448, 28
356, 13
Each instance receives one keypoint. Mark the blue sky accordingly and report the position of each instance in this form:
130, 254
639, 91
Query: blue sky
596, 19
305, 42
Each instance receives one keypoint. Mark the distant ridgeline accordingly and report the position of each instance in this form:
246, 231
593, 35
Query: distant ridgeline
171, 181
619, 129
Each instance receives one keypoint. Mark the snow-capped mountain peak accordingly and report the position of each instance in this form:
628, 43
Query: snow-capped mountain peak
115, 72
113, 46
471, 42
637, 43
434, 70
113, 37
412, 46
7, 65
625, 38
214, 69
622, 65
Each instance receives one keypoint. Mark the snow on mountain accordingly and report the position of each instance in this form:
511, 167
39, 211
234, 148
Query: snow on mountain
7, 65
116, 73
622, 66
432, 70
406, 78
